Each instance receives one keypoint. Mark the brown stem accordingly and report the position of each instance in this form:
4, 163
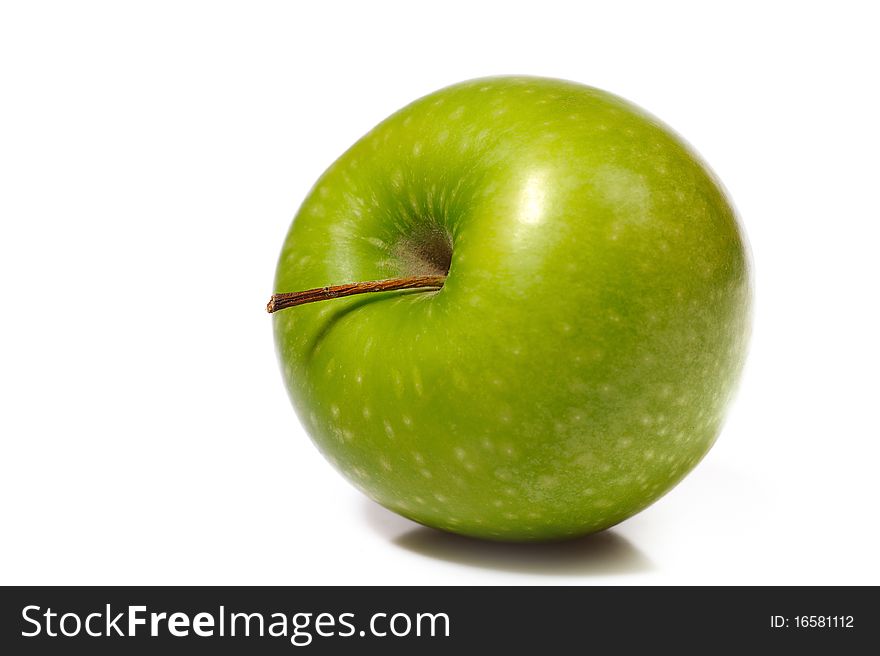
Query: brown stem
292, 299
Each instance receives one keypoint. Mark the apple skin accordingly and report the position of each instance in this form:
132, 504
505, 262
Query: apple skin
577, 362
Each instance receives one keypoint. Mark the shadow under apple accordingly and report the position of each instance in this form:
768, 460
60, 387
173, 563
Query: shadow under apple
604, 553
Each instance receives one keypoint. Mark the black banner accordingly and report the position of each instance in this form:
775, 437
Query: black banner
436, 620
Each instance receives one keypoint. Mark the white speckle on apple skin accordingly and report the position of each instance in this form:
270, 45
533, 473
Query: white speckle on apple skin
503, 474
389, 429
398, 383
379, 243
547, 481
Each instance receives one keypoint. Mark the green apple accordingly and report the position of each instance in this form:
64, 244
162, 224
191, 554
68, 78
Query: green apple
594, 320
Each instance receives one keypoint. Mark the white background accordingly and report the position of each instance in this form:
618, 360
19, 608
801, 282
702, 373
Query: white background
151, 158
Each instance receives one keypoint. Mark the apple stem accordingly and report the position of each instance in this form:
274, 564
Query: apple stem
292, 299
